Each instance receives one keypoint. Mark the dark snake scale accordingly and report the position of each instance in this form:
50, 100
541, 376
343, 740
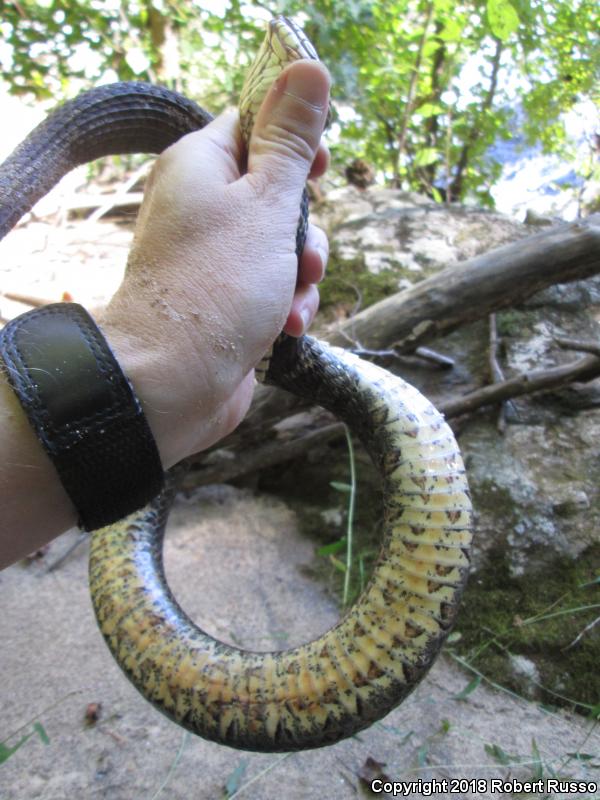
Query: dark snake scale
371, 660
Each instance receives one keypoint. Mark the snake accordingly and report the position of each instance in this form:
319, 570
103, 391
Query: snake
354, 674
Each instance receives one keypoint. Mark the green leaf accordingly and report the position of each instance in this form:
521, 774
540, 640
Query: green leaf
7, 752
235, 779
431, 109
425, 156
538, 767
451, 32
595, 712
502, 18
439, 199
340, 487
41, 732
422, 755
498, 754
337, 563
334, 547
582, 756
470, 687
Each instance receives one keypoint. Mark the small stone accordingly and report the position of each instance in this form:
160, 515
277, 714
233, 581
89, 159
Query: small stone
332, 516
527, 675
571, 504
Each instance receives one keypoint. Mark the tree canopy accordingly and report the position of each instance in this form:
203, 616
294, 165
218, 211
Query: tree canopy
422, 88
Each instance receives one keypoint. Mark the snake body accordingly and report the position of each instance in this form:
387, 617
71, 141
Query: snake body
354, 674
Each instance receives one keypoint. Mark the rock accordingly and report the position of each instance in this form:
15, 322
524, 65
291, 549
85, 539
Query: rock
571, 503
332, 517
403, 236
527, 675
539, 220
535, 487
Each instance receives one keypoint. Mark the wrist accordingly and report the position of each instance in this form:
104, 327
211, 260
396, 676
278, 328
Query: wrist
27, 471
144, 368
72, 416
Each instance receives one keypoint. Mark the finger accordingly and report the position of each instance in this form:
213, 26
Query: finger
313, 260
304, 307
321, 163
288, 127
211, 155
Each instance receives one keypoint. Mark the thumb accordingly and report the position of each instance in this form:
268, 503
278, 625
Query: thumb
289, 124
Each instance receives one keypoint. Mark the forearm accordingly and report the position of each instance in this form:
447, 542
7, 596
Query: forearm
212, 279
35, 506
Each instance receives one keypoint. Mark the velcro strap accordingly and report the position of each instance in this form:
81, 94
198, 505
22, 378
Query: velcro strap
83, 410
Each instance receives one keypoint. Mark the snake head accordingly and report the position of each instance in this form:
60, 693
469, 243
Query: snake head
284, 43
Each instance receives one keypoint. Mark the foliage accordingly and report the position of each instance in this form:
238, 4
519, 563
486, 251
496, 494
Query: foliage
48, 43
6, 751
504, 616
422, 88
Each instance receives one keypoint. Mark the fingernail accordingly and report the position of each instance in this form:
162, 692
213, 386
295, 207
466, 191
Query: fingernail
307, 85
305, 314
322, 255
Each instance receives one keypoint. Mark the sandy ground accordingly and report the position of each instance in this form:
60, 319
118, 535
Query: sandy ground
235, 562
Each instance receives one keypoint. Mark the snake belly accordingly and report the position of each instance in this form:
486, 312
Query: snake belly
354, 674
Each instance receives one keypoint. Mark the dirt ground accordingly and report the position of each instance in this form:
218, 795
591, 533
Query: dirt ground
235, 562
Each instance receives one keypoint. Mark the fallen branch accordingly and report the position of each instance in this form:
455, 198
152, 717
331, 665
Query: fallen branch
27, 299
121, 196
585, 369
580, 346
462, 293
240, 459
424, 353
475, 288
104, 202
221, 466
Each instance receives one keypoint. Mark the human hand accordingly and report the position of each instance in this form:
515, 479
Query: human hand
213, 276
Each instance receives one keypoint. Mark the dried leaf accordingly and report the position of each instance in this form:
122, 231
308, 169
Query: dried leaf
92, 713
370, 771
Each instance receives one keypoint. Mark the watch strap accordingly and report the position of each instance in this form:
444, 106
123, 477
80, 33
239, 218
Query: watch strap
83, 410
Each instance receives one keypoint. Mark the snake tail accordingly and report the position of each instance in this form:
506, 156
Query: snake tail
341, 682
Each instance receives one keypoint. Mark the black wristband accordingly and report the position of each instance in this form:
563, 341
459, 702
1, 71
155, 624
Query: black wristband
83, 410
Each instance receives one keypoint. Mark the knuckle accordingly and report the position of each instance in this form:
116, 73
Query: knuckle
286, 142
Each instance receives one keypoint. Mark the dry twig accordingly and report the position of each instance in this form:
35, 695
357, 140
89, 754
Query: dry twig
585, 369
578, 345
582, 633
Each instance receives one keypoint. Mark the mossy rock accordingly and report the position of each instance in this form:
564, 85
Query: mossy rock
539, 617
350, 283
535, 616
